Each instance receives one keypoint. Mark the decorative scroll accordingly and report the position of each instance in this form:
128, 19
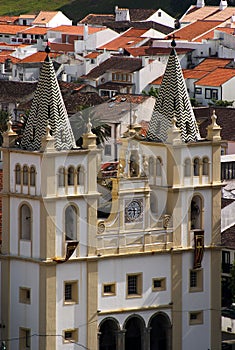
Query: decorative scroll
198, 248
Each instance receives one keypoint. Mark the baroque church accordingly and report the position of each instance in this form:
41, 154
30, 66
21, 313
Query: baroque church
147, 277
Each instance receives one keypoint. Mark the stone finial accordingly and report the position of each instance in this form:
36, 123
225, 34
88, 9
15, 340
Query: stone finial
213, 119
89, 139
174, 134
9, 125
48, 141
9, 136
213, 130
89, 127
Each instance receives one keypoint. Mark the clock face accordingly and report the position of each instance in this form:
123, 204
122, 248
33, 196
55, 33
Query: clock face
133, 210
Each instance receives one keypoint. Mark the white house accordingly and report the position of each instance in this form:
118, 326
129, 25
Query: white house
51, 19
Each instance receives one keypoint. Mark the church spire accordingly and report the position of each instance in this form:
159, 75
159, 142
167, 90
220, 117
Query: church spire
48, 107
173, 102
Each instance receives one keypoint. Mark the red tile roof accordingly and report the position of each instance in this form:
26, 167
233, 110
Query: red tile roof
195, 13
38, 57
44, 17
218, 77
209, 64
61, 47
36, 30
154, 51
8, 19
223, 15
196, 29
76, 30
187, 73
11, 29
92, 55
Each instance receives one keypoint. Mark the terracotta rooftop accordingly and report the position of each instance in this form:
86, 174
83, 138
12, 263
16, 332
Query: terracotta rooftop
223, 15
76, 30
194, 13
216, 78
194, 74
115, 64
61, 47
27, 16
36, 30
38, 57
209, 64
11, 29
92, 55
154, 51
196, 29
141, 14
44, 17
124, 41
8, 19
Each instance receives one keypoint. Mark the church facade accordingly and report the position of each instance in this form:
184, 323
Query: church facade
147, 277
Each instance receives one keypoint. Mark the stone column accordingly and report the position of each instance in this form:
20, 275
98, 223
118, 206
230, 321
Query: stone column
146, 338
120, 339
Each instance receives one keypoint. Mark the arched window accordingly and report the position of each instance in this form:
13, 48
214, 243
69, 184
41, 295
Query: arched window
25, 175
61, 177
158, 166
187, 167
18, 174
80, 175
151, 166
71, 223
196, 167
25, 222
32, 176
196, 213
71, 176
205, 166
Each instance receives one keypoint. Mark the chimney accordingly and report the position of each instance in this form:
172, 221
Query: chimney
85, 32
200, 3
223, 5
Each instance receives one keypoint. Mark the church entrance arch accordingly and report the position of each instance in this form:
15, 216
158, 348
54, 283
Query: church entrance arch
108, 334
160, 332
134, 336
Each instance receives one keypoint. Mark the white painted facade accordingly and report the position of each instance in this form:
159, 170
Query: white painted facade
94, 40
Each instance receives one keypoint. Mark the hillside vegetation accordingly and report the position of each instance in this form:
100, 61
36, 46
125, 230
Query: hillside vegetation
78, 9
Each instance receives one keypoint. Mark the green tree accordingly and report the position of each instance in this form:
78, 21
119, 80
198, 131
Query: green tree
79, 123
221, 103
152, 92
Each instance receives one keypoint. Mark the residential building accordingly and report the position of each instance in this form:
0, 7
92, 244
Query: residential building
138, 279
123, 74
51, 19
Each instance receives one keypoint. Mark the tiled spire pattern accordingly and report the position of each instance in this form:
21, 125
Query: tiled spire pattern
48, 108
173, 102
